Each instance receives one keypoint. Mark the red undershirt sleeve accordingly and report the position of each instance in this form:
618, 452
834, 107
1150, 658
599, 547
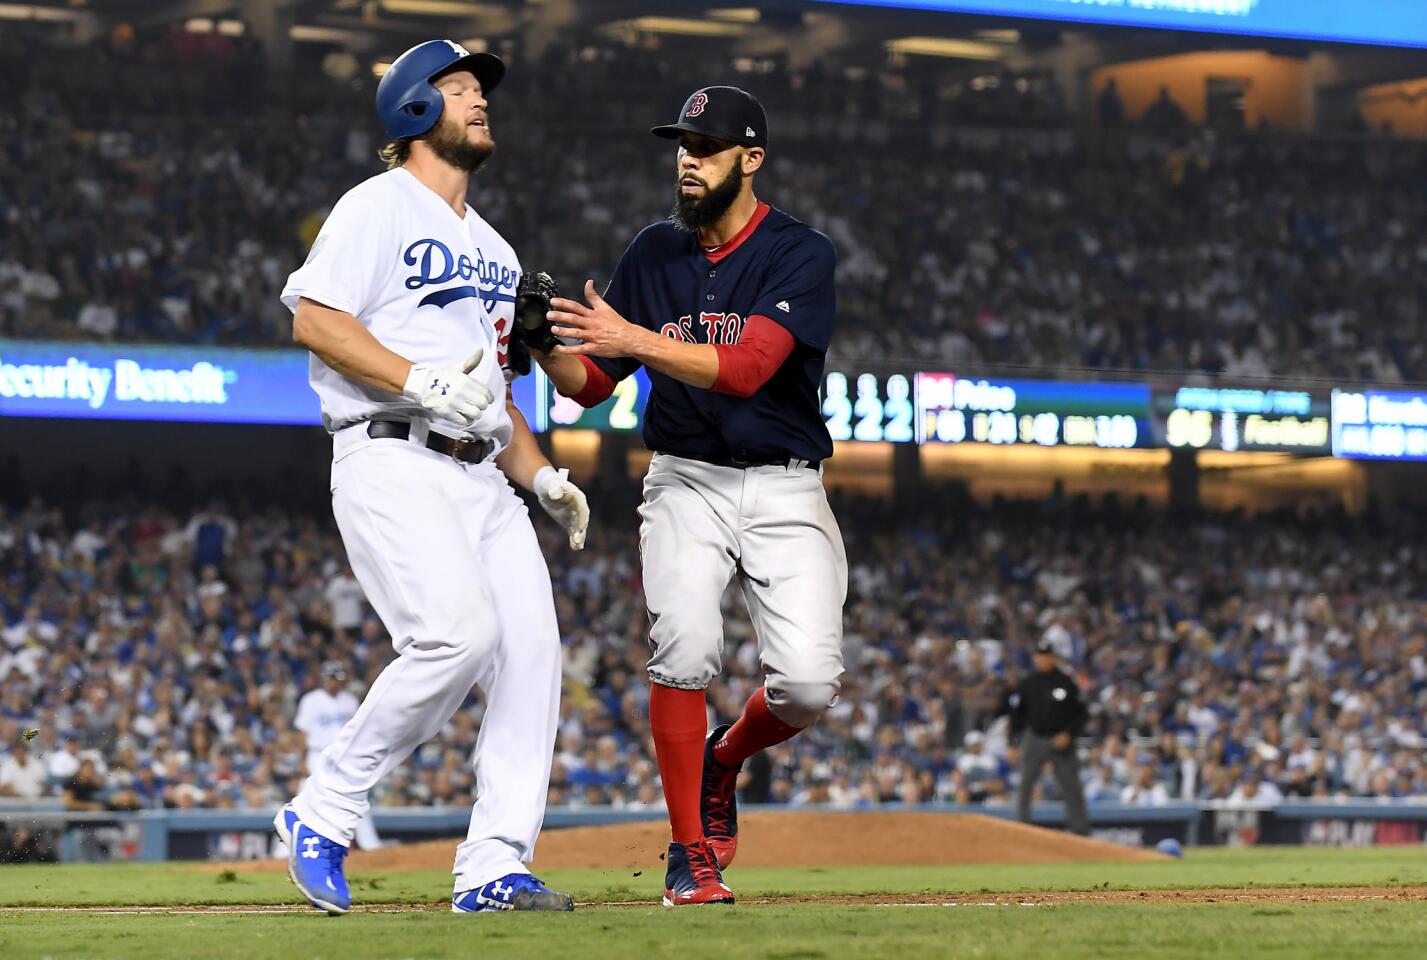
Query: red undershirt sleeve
745, 366
598, 385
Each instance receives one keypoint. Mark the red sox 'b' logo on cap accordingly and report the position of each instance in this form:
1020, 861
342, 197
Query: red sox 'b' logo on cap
697, 104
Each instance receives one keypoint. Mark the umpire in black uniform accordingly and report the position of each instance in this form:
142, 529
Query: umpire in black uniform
1047, 712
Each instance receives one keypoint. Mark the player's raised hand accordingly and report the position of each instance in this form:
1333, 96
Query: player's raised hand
450, 393
564, 502
602, 332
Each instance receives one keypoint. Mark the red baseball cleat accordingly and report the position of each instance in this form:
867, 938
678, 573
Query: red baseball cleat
693, 876
718, 803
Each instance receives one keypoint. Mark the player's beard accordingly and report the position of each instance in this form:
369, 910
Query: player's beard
450, 143
693, 213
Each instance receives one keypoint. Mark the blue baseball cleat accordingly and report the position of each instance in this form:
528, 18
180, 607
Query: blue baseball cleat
514, 891
314, 863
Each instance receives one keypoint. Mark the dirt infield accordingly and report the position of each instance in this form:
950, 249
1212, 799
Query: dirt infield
792, 839
1236, 895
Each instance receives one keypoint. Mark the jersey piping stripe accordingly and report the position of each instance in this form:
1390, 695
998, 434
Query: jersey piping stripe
724, 249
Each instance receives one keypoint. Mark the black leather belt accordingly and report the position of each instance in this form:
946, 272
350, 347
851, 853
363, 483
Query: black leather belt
464, 450
750, 464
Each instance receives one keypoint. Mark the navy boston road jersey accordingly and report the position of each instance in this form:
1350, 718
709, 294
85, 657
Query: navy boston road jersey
777, 267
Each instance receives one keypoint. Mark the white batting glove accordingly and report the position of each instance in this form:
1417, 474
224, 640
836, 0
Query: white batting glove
449, 393
565, 503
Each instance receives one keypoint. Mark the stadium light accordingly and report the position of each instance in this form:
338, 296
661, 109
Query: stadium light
227, 28
23, 11
439, 8
946, 47
306, 33
735, 14
685, 26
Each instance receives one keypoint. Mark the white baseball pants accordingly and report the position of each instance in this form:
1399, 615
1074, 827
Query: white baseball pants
448, 559
772, 526
365, 832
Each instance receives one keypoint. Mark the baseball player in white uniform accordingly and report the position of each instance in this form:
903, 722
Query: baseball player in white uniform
406, 302
321, 714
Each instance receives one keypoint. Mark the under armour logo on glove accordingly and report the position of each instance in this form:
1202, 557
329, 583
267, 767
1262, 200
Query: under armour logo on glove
453, 394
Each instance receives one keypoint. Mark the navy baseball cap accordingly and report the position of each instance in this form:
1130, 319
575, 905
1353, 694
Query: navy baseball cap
724, 113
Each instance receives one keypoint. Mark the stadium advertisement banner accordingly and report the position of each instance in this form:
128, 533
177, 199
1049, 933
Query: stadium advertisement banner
1231, 419
130, 382
167, 383
1379, 425
1390, 22
1348, 823
1047, 413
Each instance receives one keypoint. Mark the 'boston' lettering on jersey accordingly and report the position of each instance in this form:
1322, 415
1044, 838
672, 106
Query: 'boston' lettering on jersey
436, 264
725, 328
777, 268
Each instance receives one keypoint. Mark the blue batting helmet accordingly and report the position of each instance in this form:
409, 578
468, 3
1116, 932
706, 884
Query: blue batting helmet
408, 103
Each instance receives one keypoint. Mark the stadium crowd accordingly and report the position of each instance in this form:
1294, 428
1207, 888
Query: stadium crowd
153, 657
136, 210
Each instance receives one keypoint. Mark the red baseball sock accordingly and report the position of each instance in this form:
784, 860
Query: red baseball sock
678, 719
753, 731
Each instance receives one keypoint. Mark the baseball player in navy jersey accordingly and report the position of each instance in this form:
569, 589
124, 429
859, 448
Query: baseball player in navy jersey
407, 302
729, 305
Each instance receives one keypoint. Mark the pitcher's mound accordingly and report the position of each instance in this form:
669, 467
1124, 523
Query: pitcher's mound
795, 839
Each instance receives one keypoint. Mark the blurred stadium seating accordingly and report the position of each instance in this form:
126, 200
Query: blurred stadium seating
140, 209
159, 187
1221, 654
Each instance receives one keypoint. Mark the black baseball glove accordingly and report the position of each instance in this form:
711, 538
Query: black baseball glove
517, 354
532, 302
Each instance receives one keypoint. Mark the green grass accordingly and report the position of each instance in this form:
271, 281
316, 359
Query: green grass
1361, 930
804, 932
177, 884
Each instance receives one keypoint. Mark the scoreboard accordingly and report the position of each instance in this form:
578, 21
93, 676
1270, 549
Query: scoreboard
1212, 418
623, 412
866, 406
858, 403
1046, 413
1380, 424
948, 408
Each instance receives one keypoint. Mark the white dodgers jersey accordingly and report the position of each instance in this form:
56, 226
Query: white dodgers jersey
321, 716
429, 285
